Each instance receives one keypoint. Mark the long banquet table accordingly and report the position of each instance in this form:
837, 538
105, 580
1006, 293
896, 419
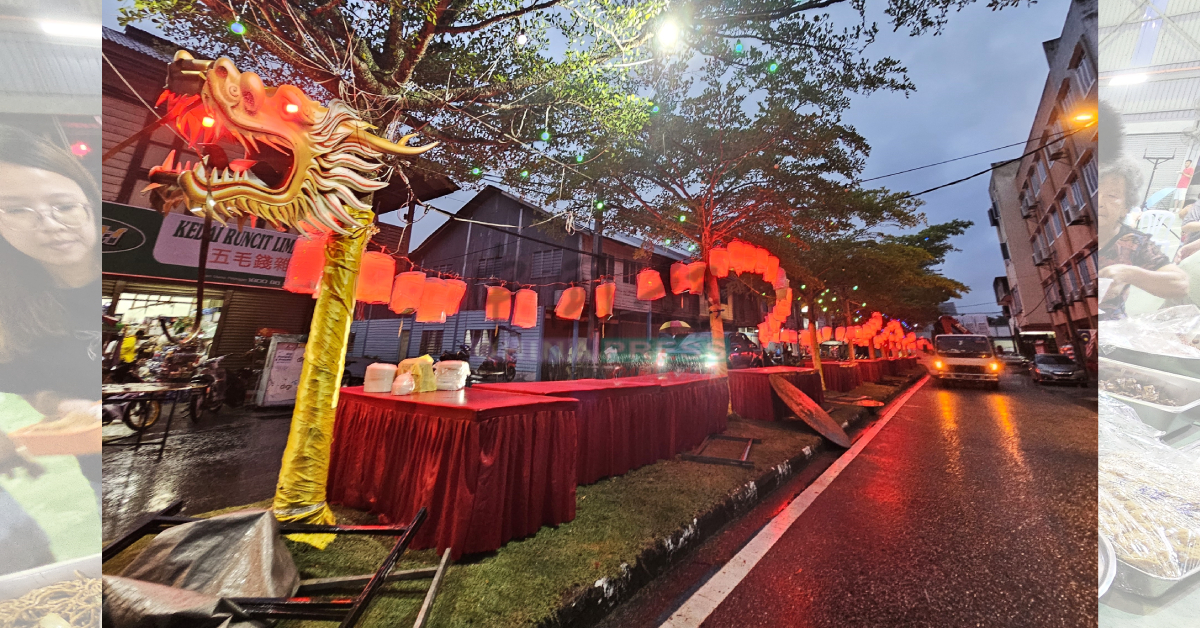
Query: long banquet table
622, 424
752, 397
489, 466
697, 405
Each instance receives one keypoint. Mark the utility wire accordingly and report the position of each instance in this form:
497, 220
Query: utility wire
999, 165
983, 152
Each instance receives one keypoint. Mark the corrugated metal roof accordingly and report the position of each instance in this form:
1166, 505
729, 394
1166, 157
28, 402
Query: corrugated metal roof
29, 64
125, 41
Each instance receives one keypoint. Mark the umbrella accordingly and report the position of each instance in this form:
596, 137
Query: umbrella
676, 328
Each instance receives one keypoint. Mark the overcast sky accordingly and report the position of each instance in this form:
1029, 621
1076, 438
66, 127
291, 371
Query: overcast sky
978, 86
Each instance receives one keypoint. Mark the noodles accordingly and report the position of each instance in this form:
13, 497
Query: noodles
77, 601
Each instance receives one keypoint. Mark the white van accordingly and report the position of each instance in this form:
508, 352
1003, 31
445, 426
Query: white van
966, 357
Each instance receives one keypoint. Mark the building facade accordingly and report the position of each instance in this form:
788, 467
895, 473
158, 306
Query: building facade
1021, 279
1055, 185
479, 248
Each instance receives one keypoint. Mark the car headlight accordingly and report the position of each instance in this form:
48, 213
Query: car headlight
938, 364
995, 366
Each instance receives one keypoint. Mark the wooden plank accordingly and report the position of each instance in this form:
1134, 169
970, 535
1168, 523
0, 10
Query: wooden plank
809, 411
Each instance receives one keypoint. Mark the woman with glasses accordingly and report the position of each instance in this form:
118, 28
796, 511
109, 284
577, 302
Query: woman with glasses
49, 319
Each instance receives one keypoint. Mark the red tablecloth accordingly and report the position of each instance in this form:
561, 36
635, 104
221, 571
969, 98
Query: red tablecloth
622, 424
871, 370
697, 404
752, 397
489, 466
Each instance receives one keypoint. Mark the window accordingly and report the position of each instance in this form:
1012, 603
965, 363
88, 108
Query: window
431, 342
1069, 279
1084, 275
1056, 222
546, 263
1016, 299
1085, 76
631, 272
1091, 178
443, 269
1077, 197
489, 267
1004, 250
1041, 171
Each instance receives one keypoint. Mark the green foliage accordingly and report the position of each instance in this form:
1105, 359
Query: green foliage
934, 239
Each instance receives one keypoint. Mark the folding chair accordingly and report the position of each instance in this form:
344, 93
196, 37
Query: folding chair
346, 611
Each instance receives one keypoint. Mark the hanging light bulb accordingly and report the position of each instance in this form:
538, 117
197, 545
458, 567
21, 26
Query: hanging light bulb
524, 174
237, 28
668, 34
207, 122
599, 204
578, 159
856, 287
683, 219
654, 109
773, 68
738, 47
545, 135
476, 171
521, 39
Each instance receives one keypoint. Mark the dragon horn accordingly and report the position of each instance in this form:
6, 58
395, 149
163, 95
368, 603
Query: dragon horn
397, 148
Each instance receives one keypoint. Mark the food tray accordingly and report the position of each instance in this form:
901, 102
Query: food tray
1108, 565
14, 585
1160, 417
1189, 367
1138, 582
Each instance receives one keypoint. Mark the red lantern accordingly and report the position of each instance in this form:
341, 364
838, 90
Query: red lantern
781, 280
406, 292
375, 278
764, 333
695, 277
741, 257
839, 334
679, 278
525, 305
456, 289
772, 270
570, 304
650, 286
304, 269
433, 299
718, 262
498, 306
826, 333
606, 293
760, 260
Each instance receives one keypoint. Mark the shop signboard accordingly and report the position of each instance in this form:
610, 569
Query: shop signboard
144, 243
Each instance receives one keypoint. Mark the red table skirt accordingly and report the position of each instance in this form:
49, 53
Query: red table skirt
752, 396
870, 370
697, 405
484, 482
841, 376
620, 428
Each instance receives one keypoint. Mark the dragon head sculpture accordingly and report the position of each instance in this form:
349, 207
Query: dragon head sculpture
302, 165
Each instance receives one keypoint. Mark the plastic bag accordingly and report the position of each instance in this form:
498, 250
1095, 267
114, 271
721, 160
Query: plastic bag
451, 374
1149, 495
404, 384
1174, 331
379, 378
422, 371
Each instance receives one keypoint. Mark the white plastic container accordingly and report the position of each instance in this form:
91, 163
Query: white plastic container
379, 378
403, 384
451, 374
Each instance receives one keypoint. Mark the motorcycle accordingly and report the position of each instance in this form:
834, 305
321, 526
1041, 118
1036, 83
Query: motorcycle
209, 373
495, 369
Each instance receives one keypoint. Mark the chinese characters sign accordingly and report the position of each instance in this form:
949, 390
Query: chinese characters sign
142, 242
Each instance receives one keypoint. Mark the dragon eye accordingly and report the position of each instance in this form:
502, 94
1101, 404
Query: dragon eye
248, 99
291, 107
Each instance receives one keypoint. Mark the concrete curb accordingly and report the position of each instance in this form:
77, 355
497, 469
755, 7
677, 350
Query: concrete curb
588, 606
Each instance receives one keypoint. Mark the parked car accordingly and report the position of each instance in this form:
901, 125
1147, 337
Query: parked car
1015, 360
1057, 367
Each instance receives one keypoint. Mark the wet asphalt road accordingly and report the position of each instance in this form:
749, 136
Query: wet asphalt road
969, 508
225, 460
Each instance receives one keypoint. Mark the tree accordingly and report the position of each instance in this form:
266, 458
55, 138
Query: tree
894, 274
491, 79
735, 153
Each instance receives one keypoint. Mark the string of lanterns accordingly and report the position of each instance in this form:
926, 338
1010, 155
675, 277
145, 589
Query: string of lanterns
432, 299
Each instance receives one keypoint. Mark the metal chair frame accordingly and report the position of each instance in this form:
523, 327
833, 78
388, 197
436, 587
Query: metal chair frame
346, 611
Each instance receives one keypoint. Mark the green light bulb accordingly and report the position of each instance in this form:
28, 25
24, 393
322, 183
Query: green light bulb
524, 174
545, 136
773, 67
578, 159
